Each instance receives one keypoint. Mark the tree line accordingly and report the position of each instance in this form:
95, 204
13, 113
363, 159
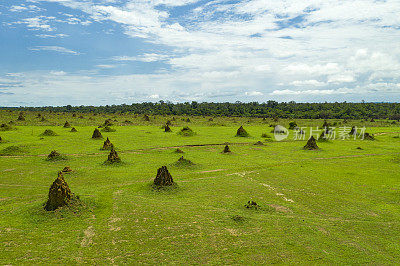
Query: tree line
270, 109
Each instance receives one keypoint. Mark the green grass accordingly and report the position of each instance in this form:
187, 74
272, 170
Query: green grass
337, 205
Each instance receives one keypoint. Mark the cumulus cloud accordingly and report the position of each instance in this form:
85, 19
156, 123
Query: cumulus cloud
249, 46
37, 23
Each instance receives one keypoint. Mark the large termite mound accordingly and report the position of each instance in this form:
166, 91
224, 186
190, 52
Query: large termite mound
59, 194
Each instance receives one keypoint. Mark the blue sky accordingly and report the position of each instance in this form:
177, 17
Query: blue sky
97, 52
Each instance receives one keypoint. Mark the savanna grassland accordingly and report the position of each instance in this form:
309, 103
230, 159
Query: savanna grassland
338, 204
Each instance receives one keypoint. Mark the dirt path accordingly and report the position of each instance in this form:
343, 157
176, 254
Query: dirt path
385, 133
87, 240
348, 156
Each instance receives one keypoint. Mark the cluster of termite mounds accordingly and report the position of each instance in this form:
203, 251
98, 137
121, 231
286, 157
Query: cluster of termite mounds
21, 117
60, 194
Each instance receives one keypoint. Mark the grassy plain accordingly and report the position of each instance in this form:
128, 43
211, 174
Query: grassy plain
335, 205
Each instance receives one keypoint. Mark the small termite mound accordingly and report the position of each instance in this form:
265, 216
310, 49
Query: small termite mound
179, 150
55, 156
97, 134
21, 117
311, 144
108, 129
67, 125
163, 178
113, 157
167, 128
48, 132
252, 205
368, 136
182, 162
226, 149
66, 169
107, 145
187, 132
241, 132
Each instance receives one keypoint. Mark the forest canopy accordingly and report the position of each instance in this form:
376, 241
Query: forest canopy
271, 109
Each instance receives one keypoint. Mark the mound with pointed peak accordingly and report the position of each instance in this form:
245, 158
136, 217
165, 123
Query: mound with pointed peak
21, 117
163, 178
167, 128
311, 144
241, 132
226, 149
97, 134
60, 194
107, 145
113, 157
67, 125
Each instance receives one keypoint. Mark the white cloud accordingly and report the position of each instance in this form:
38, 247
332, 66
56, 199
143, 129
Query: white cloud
312, 92
58, 49
154, 96
228, 46
341, 78
106, 66
18, 8
57, 73
25, 8
152, 57
317, 69
37, 23
253, 93
60, 35
311, 82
